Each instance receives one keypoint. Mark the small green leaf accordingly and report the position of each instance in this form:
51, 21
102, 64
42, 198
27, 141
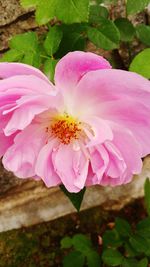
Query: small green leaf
112, 257
123, 227
129, 263
130, 252
140, 244
143, 228
29, 3
66, 242
96, 12
24, 42
82, 243
31, 58
143, 33
143, 263
74, 259
49, 68
68, 11
136, 6
126, 29
93, 259
75, 198
12, 55
53, 40
106, 36
141, 63
147, 195
111, 239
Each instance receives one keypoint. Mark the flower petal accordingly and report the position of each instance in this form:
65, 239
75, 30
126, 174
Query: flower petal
72, 67
71, 166
20, 158
44, 165
12, 69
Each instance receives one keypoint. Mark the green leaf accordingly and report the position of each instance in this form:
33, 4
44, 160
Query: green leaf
111, 239
49, 68
75, 198
147, 195
53, 40
129, 263
143, 33
29, 3
96, 12
74, 259
81, 243
24, 42
112, 257
143, 263
141, 63
143, 228
140, 244
66, 242
106, 36
12, 55
129, 251
123, 227
136, 6
31, 58
68, 11
93, 259
126, 29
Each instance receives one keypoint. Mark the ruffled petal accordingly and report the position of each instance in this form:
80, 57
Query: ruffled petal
71, 166
12, 69
72, 67
20, 158
44, 166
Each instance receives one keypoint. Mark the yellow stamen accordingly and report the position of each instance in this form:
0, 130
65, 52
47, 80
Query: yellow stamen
65, 128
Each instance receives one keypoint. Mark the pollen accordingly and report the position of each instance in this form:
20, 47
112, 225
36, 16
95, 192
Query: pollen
65, 128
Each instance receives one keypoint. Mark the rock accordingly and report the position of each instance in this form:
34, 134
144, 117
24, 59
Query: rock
30, 202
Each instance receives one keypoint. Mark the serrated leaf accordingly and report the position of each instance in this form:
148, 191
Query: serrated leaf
24, 42
141, 63
123, 227
143, 33
105, 36
32, 59
12, 55
29, 3
147, 195
81, 243
136, 6
49, 68
111, 239
53, 40
125, 28
140, 244
74, 259
143, 228
68, 11
66, 242
112, 257
129, 263
96, 12
75, 198
143, 263
93, 259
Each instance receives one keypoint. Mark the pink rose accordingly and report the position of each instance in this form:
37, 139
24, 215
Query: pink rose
91, 127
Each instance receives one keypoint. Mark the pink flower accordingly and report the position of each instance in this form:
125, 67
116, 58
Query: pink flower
91, 127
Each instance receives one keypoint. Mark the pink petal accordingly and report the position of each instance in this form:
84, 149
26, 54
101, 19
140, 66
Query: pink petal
20, 158
98, 131
72, 67
44, 166
5, 143
13, 69
71, 166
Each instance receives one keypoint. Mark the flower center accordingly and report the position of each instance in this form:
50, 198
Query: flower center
65, 128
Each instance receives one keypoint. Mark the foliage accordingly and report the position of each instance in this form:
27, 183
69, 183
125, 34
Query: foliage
124, 245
